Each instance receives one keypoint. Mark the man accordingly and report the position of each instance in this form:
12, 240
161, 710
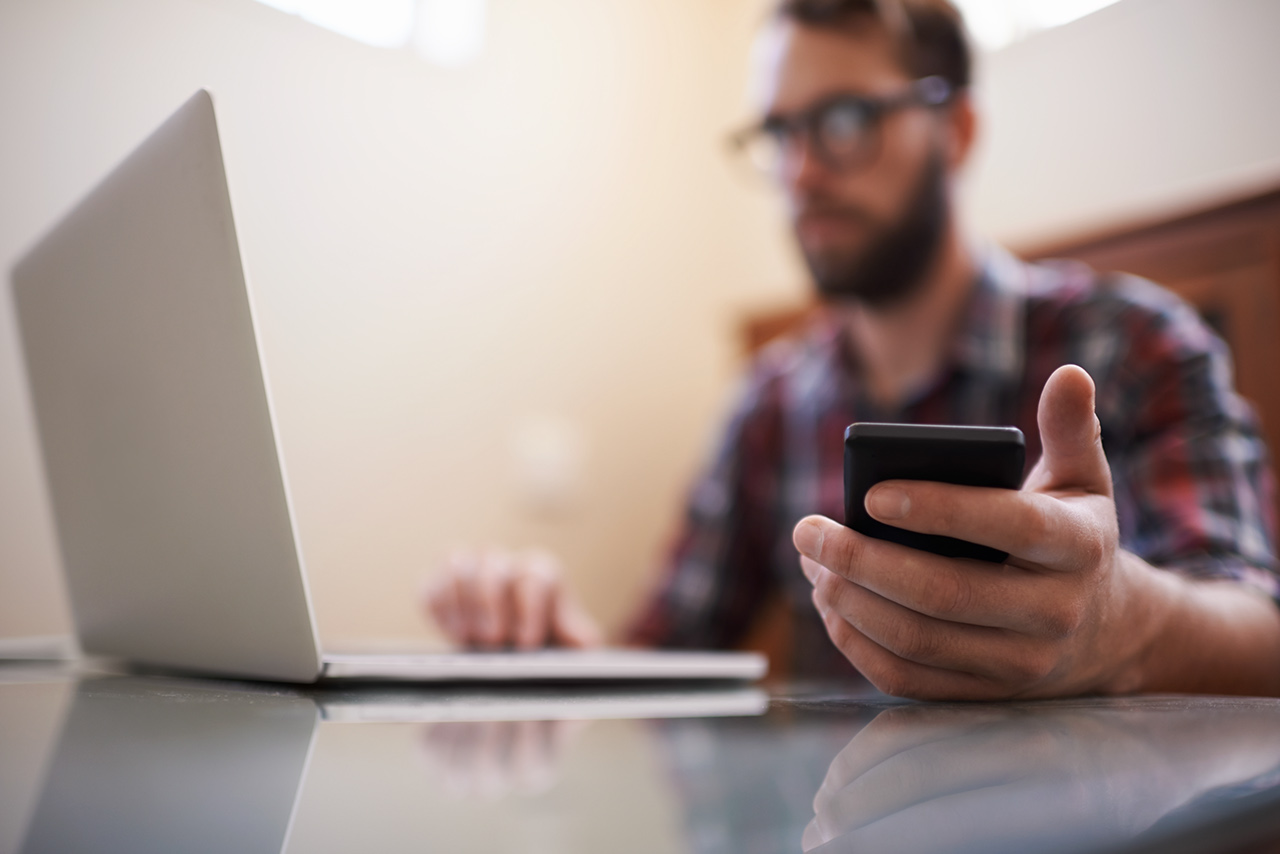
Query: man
1141, 545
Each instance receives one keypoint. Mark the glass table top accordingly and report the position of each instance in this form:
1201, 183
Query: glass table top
97, 762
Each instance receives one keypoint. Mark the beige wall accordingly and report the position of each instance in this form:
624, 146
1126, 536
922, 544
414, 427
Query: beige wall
441, 260
1144, 109
451, 265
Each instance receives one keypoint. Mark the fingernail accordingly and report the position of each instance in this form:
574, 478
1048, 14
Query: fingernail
808, 538
888, 502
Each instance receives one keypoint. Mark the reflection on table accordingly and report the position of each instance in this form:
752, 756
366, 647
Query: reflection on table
138, 764
1044, 777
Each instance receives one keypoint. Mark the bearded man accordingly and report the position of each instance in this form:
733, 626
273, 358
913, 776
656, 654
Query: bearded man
1141, 545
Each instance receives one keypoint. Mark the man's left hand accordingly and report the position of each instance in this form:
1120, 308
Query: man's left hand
1069, 612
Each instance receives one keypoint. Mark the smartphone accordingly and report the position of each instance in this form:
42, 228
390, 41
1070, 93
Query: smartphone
971, 456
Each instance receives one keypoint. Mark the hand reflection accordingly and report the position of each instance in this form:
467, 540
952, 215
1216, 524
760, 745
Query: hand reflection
1033, 776
492, 759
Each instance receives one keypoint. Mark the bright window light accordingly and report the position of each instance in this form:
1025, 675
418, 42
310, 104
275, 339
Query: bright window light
446, 32
997, 23
450, 32
380, 23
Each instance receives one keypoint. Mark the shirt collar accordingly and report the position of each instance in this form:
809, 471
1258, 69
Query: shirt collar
992, 342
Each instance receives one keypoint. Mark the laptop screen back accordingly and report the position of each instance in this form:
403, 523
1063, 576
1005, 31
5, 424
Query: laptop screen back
160, 452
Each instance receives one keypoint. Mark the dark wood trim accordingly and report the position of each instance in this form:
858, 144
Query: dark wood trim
1207, 216
1226, 262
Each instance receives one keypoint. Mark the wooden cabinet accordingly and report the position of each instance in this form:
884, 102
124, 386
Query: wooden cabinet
1224, 261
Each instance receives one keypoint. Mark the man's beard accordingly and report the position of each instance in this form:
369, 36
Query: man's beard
893, 266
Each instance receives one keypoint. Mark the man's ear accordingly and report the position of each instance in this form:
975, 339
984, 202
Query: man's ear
961, 129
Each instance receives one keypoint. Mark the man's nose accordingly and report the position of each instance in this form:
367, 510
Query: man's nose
802, 169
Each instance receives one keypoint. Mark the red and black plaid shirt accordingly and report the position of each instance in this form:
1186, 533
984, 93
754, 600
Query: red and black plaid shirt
1194, 493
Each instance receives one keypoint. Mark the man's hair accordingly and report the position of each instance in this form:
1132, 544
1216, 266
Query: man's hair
929, 34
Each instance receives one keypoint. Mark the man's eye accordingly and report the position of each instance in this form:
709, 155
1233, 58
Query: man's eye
842, 125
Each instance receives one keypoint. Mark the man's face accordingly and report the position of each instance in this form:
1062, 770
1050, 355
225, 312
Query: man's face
869, 232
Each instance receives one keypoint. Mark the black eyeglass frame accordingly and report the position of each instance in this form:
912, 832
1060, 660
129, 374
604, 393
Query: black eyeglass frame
929, 92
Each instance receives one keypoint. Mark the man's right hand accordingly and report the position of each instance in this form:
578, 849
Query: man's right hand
494, 599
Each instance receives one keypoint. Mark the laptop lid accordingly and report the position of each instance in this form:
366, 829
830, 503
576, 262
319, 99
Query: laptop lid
170, 502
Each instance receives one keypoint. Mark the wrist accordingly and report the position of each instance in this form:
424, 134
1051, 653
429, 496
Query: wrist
1149, 608
1197, 636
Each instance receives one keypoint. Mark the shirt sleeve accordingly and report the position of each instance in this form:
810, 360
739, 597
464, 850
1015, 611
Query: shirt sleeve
718, 573
1194, 489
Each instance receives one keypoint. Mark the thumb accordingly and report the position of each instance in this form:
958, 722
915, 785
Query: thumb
1071, 436
572, 626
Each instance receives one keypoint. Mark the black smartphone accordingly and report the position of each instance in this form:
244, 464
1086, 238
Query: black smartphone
971, 456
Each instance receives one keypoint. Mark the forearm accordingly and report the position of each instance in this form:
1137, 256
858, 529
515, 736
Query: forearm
1207, 637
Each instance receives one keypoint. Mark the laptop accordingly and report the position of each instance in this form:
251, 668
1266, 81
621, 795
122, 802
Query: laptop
169, 494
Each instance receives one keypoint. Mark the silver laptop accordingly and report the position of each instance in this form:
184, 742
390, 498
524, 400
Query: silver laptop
169, 493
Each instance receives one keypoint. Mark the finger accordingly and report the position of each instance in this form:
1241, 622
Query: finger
532, 599
1071, 435
464, 568
1036, 478
812, 569
455, 747
562, 733
992, 756
532, 762
572, 625
1009, 661
1038, 529
491, 761
899, 729
813, 836
897, 676
490, 600
978, 593
1018, 816
436, 743
440, 600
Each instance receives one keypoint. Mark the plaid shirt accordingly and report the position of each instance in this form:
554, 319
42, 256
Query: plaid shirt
1193, 490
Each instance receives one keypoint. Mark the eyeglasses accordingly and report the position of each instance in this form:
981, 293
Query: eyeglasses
842, 129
